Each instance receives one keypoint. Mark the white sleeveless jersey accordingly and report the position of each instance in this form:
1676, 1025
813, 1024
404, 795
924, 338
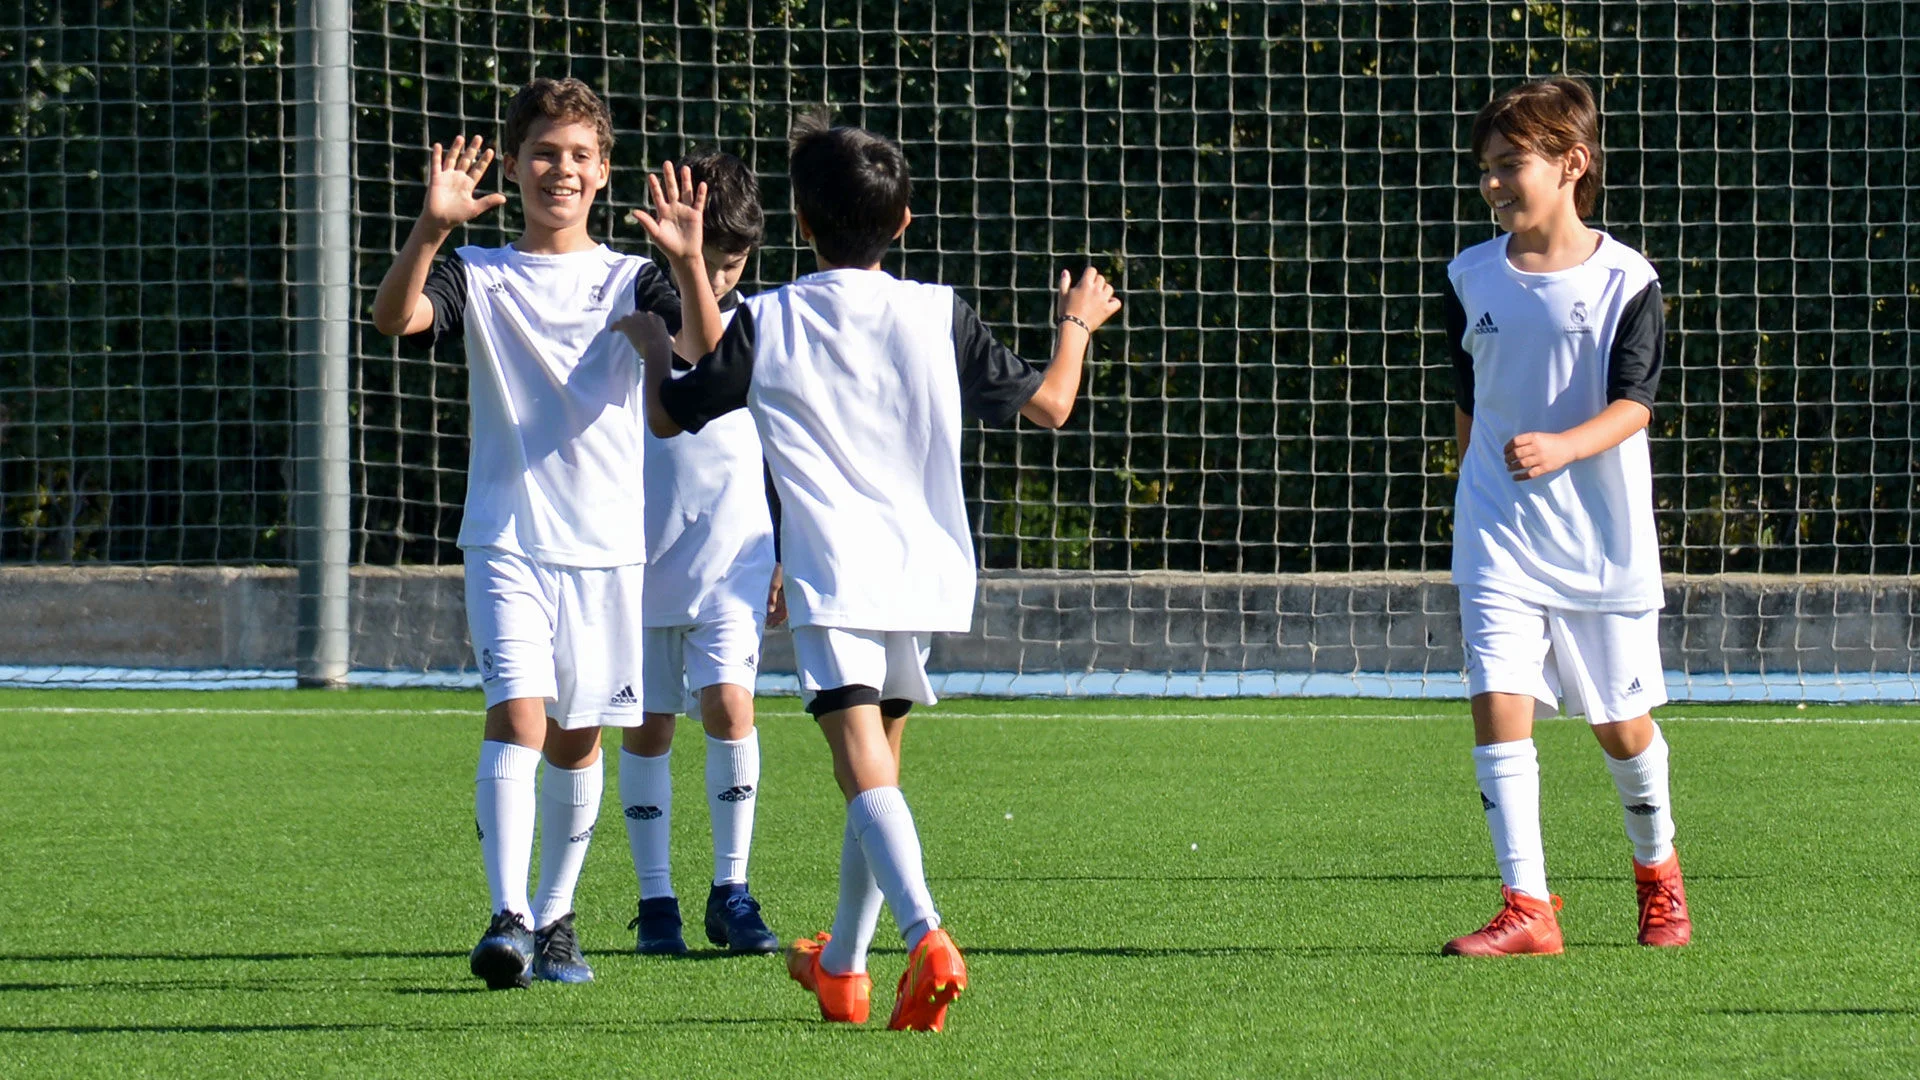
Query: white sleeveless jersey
709, 531
554, 471
1547, 352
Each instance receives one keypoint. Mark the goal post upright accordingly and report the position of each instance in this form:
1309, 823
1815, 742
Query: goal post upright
322, 305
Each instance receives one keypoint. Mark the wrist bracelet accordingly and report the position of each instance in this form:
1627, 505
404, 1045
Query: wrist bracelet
1077, 321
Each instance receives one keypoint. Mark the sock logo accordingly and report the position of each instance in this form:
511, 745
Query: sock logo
1485, 325
581, 837
486, 665
477, 830
643, 813
1486, 803
625, 697
1643, 809
738, 793
1634, 686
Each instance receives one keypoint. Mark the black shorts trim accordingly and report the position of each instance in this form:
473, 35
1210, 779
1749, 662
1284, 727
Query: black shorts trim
842, 697
894, 708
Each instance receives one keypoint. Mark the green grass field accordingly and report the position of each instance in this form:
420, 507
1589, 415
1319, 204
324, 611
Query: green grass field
282, 884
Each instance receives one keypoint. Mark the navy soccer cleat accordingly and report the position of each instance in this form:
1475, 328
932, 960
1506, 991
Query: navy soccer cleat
733, 921
557, 956
659, 926
504, 957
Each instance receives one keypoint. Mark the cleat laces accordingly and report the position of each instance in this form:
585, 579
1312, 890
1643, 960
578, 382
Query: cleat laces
1659, 905
561, 946
742, 904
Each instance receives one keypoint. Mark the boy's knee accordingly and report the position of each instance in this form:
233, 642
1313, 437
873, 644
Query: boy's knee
652, 738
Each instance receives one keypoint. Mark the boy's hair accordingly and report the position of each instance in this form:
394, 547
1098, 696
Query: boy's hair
850, 184
567, 100
1547, 118
733, 222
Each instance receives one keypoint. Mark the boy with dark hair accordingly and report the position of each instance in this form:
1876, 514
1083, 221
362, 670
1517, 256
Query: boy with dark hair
711, 584
553, 532
858, 383
1557, 336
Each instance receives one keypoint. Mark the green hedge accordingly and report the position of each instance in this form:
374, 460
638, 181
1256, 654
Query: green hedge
1277, 187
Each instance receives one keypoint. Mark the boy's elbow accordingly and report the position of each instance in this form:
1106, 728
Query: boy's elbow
1047, 411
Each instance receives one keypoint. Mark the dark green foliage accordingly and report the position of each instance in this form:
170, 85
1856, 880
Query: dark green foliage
1276, 188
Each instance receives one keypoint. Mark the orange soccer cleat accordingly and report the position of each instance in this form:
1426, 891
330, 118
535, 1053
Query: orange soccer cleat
935, 975
1664, 921
1524, 926
844, 999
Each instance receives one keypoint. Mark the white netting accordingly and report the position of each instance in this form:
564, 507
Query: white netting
1276, 186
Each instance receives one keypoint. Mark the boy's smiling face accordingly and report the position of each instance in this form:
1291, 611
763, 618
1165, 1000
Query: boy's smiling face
559, 168
1525, 190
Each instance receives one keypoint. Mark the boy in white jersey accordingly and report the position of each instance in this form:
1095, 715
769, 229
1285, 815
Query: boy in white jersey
1557, 335
553, 530
857, 383
711, 584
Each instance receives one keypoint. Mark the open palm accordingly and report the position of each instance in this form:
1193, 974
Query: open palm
678, 203
451, 177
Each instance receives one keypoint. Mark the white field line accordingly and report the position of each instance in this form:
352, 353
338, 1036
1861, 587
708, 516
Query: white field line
1666, 718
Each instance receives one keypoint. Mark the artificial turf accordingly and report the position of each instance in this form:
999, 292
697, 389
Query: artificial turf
286, 884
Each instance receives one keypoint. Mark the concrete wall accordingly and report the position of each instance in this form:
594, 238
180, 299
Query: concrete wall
413, 619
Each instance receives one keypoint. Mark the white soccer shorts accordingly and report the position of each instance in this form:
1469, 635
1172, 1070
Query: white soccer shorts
681, 661
893, 662
1604, 664
568, 635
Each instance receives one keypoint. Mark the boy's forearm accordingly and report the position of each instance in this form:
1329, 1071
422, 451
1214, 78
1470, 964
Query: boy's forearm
699, 309
655, 371
1053, 402
1615, 425
400, 290
1462, 429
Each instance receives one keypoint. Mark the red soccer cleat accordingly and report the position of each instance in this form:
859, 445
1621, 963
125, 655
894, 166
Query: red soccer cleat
935, 975
1664, 921
844, 999
1524, 926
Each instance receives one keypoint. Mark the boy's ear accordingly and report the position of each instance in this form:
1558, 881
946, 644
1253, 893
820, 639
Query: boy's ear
806, 231
906, 219
506, 169
1578, 160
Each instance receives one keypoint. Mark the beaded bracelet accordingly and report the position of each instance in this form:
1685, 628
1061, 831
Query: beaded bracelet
1077, 321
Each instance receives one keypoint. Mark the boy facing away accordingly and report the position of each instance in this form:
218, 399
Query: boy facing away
553, 532
857, 383
711, 585
1557, 334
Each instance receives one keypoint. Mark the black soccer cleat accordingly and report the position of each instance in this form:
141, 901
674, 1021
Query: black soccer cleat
659, 926
504, 957
734, 923
556, 954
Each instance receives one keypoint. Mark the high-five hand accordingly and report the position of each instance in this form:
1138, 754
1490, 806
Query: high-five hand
451, 177
1089, 303
678, 203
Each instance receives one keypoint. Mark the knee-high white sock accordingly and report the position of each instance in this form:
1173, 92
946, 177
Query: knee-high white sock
1509, 775
569, 805
880, 818
646, 799
733, 790
503, 812
858, 913
1646, 800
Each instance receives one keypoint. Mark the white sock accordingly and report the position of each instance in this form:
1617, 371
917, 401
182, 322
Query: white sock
569, 805
880, 818
733, 789
503, 811
1646, 801
858, 913
1509, 775
646, 797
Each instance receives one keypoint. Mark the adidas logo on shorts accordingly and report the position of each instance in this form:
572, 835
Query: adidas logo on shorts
1633, 687
625, 697
1485, 325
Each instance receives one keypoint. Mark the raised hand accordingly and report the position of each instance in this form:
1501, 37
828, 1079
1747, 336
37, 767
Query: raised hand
1090, 302
675, 224
451, 177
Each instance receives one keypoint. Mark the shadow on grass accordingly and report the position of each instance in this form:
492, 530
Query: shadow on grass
633, 1026
1267, 879
201, 958
1158, 952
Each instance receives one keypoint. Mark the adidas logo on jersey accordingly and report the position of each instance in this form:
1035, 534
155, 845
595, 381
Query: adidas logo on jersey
741, 793
1485, 325
625, 697
643, 813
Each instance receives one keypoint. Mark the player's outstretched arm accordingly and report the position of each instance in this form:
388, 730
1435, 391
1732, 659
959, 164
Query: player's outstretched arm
400, 307
648, 332
1537, 453
677, 228
1079, 309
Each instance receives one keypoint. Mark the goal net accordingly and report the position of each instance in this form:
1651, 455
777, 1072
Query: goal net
1255, 494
